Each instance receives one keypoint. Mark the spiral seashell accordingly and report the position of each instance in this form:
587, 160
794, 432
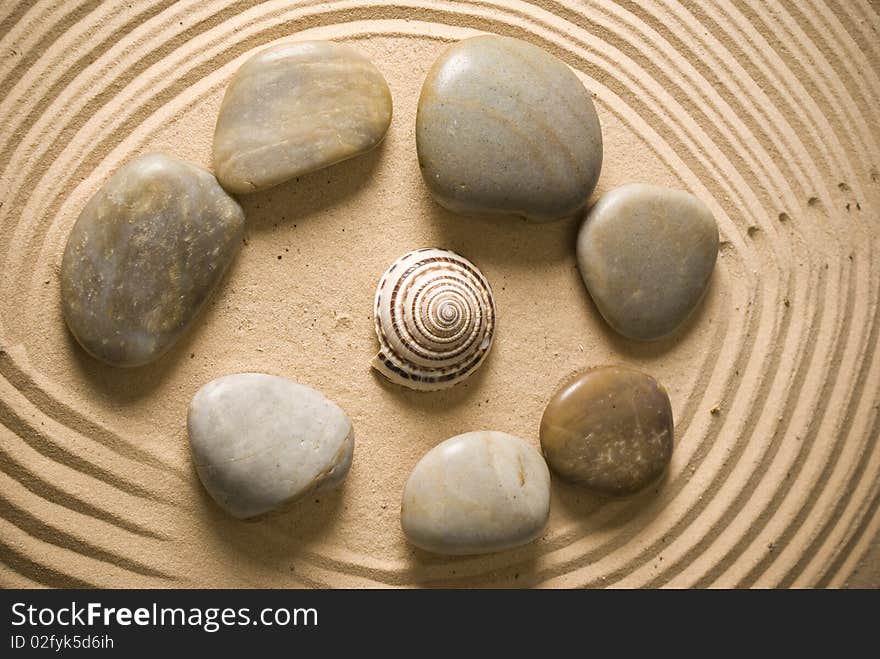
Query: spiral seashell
435, 319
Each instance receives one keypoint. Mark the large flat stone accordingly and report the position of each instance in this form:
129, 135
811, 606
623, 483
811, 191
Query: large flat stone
503, 127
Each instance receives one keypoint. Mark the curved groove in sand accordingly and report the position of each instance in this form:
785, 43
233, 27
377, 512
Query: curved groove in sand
766, 116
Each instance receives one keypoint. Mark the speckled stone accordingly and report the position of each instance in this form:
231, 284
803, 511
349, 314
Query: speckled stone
608, 429
143, 257
297, 107
646, 254
260, 441
503, 127
475, 493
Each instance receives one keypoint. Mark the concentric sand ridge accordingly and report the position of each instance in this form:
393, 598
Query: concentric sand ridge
767, 113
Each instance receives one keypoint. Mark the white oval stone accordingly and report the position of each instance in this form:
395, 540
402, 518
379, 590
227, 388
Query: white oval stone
474, 493
260, 441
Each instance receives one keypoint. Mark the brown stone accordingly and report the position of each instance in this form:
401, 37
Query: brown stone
609, 429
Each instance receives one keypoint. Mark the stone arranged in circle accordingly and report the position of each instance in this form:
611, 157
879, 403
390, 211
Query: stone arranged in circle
474, 493
143, 257
260, 441
503, 127
609, 429
646, 253
297, 107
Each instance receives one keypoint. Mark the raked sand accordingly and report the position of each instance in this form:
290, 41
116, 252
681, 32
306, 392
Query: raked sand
771, 115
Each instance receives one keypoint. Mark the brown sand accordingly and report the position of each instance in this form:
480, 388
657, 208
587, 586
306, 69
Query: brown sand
769, 114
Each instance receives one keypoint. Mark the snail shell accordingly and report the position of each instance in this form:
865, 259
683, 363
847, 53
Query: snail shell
435, 318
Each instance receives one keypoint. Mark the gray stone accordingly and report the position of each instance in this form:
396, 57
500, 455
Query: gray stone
608, 429
646, 254
143, 257
503, 127
260, 441
297, 107
475, 493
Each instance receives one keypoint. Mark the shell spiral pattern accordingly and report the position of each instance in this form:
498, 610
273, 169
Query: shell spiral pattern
768, 112
435, 319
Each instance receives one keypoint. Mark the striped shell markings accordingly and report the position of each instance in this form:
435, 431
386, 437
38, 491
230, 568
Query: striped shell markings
435, 319
766, 111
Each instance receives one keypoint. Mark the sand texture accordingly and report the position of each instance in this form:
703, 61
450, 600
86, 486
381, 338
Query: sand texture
768, 112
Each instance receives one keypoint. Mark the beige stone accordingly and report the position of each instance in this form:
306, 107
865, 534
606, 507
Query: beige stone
474, 493
297, 107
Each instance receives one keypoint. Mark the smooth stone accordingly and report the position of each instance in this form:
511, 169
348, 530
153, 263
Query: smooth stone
260, 441
475, 493
143, 257
608, 429
646, 254
297, 107
504, 127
